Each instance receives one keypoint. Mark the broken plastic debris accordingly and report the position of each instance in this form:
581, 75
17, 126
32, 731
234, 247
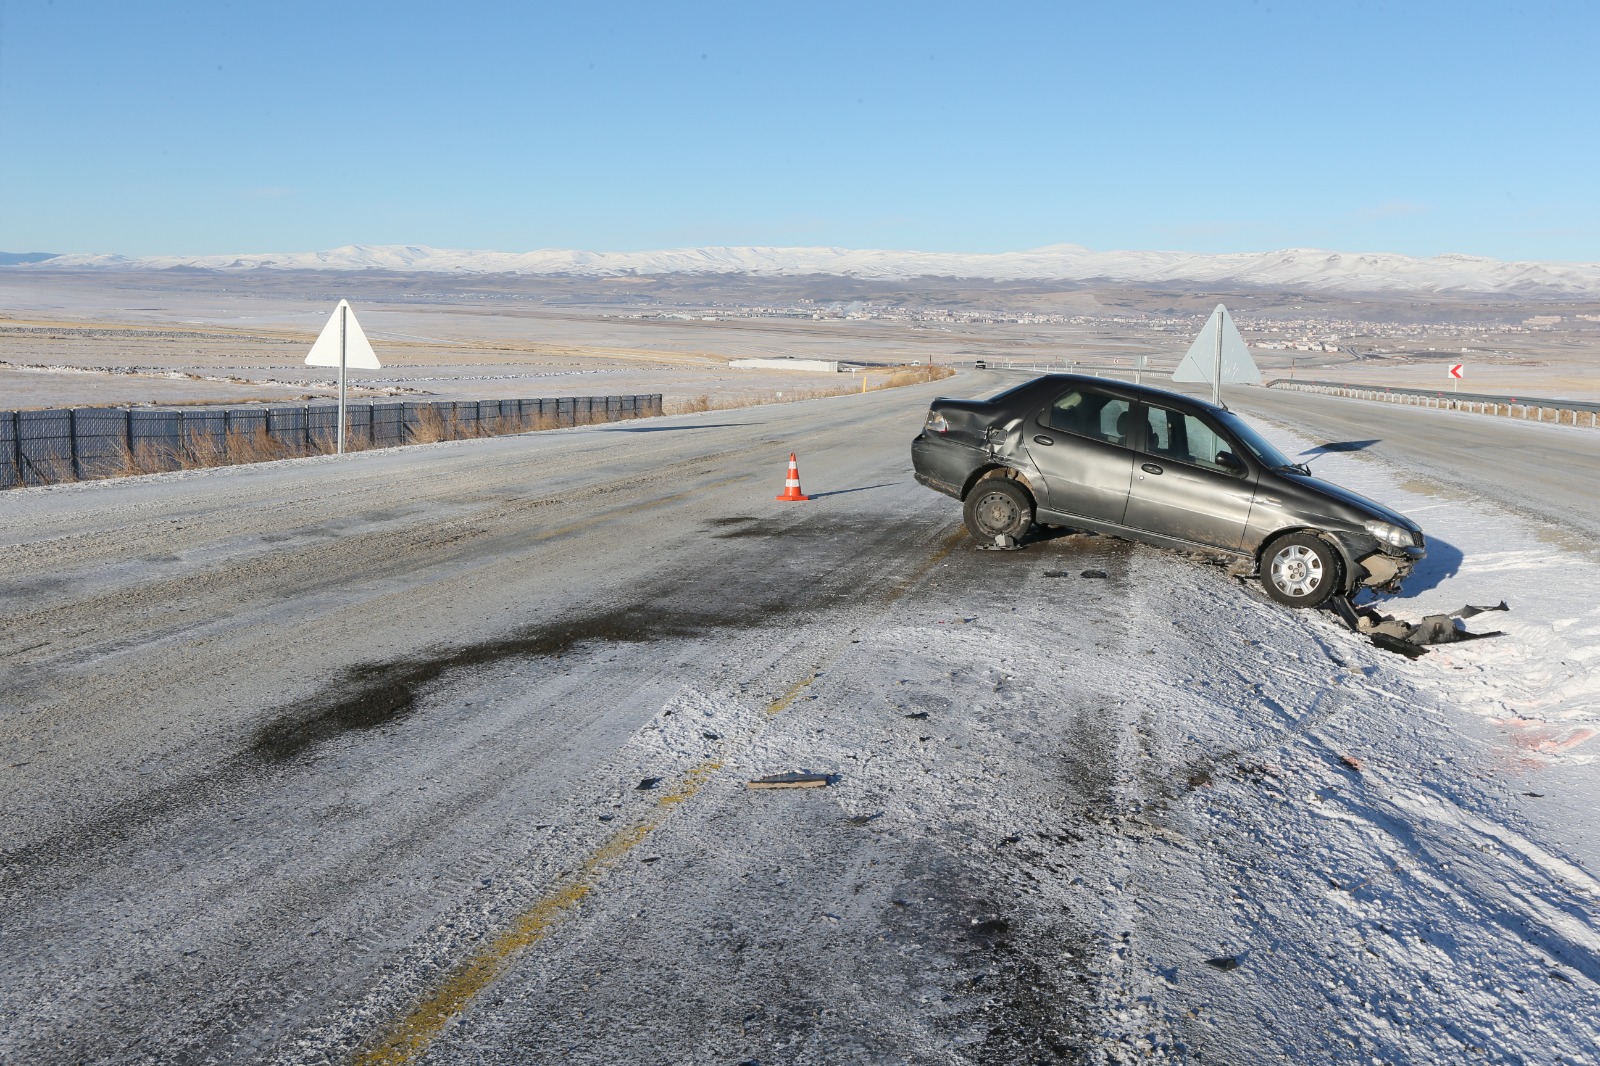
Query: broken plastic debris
791, 780
647, 784
1408, 638
1003, 542
1224, 962
1094, 573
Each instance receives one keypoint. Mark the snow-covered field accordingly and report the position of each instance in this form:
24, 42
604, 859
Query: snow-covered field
1144, 816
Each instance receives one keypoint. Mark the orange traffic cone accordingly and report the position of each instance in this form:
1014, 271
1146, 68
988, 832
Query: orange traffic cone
791, 487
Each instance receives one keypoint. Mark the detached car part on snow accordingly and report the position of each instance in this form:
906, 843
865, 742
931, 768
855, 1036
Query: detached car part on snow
1165, 469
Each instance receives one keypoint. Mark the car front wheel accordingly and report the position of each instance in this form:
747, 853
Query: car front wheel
1300, 570
998, 507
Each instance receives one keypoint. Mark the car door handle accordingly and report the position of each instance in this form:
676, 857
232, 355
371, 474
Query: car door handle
1040, 438
1151, 468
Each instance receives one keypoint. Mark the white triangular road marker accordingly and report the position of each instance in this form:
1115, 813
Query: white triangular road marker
357, 352
1237, 366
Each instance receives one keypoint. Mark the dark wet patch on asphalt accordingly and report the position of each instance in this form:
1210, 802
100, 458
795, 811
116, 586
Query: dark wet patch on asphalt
369, 695
748, 531
373, 694
813, 527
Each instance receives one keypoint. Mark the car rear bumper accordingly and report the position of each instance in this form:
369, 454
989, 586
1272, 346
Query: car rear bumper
953, 491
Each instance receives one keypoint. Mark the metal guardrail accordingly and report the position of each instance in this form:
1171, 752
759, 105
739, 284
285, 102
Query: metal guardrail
71, 444
1531, 408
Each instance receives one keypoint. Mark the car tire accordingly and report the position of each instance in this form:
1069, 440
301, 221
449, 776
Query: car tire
1301, 570
998, 507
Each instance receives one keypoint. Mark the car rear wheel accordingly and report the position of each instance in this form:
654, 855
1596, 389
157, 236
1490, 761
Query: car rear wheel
998, 507
1300, 570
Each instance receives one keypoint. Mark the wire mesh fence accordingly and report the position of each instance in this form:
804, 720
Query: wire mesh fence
82, 443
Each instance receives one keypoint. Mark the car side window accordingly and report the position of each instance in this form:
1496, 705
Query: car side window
1092, 414
1185, 438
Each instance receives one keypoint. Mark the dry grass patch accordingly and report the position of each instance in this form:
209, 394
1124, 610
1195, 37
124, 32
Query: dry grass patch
429, 428
894, 378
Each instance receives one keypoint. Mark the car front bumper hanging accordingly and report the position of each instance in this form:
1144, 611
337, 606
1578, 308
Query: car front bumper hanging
1411, 639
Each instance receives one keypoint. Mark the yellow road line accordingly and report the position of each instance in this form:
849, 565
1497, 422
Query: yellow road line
779, 705
411, 1035
946, 546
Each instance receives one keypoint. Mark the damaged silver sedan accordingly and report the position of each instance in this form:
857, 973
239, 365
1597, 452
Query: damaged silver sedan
1161, 468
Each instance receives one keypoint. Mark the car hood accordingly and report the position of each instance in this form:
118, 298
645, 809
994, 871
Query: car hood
1353, 500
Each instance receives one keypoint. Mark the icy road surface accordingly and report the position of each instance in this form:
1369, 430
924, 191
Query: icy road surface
440, 755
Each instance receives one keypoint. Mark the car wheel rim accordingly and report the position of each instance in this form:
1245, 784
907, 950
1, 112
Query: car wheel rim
1297, 571
997, 512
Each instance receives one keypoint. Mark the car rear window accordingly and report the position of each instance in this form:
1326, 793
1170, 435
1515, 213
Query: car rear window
1091, 414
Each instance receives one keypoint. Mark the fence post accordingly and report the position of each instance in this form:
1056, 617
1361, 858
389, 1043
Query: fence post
16, 443
72, 441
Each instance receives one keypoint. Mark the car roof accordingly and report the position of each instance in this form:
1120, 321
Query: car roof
1129, 390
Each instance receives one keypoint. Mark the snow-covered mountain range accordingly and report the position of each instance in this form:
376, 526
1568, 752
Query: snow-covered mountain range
1295, 268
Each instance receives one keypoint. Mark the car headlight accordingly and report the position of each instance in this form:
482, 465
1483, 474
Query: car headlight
1390, 534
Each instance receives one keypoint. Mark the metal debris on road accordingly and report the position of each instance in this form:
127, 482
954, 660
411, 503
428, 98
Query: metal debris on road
1003, 542
791, 780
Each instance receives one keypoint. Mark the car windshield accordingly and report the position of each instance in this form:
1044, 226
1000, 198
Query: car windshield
1266, 453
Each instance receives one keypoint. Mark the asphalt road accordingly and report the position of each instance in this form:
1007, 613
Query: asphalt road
285, 744
439, 755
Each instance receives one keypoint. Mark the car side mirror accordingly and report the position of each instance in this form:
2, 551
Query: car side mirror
1229, 461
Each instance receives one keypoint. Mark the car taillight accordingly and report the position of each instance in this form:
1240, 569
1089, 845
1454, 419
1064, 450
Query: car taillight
937, 423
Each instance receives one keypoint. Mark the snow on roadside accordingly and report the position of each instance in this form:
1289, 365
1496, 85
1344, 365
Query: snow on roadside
1541, 682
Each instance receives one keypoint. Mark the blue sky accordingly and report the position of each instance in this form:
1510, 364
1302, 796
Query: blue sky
201, 128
